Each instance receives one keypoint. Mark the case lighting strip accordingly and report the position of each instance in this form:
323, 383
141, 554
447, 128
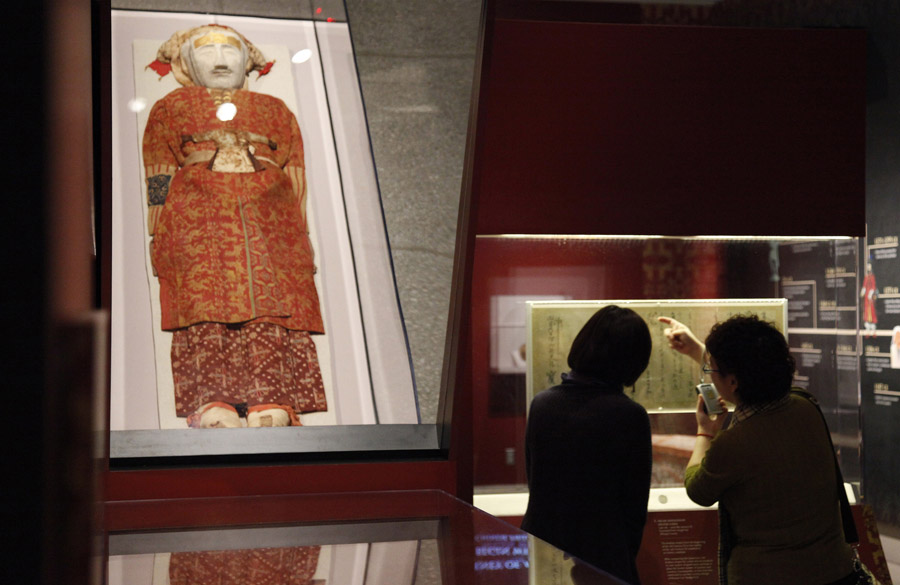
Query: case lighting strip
513, 504
658, 237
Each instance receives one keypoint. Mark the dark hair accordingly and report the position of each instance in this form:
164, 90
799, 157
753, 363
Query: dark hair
613, 346
756, 353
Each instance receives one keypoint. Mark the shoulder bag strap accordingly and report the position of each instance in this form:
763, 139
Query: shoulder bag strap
850, 533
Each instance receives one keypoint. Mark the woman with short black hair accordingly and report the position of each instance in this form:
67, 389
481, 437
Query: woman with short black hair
587, 448
614, 345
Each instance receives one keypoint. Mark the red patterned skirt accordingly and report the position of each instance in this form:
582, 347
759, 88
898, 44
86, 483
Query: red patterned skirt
264, 566
254, 363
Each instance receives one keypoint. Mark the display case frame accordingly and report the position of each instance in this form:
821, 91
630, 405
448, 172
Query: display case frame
712, 274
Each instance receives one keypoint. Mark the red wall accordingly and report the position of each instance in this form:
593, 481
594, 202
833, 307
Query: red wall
630, 129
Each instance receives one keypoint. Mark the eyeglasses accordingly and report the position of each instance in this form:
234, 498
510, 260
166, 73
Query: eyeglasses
707, 370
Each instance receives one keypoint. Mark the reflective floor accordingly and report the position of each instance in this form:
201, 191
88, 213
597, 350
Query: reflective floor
420, 540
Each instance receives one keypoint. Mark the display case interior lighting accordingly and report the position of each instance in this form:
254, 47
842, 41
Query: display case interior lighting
301, 56
137, 105
643, 237
670, 2
226, 112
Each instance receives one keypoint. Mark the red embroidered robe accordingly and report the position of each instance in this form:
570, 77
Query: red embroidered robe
229, 247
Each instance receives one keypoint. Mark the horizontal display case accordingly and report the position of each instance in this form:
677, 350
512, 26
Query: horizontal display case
418, 538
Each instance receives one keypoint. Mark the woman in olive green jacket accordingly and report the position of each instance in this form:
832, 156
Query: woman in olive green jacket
772, 469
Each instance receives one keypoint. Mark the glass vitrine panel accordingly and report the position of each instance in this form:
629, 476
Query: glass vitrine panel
531, 294
367, 399
459, 545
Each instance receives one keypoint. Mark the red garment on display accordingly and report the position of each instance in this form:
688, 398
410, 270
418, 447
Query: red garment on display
231, 250
869, 314
263, 566
259, 363
229, 247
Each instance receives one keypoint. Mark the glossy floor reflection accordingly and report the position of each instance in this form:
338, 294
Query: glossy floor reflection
456, 545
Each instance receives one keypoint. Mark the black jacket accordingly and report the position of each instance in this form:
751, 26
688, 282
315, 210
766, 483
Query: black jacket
588, 458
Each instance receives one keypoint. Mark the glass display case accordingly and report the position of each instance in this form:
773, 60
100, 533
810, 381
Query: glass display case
319, 308
680, 163
809, 287
188, 168
413, 538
